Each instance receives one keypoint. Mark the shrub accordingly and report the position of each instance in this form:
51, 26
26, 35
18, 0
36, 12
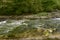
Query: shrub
18, 7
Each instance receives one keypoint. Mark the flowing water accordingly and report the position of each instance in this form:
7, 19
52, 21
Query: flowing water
8, 25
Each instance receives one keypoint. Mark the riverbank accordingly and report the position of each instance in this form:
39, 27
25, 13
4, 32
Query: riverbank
32, 16
51, 37
21, 17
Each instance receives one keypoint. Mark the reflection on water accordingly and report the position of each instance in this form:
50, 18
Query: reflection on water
9, 25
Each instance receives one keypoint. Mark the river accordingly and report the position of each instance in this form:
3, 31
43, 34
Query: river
8, 25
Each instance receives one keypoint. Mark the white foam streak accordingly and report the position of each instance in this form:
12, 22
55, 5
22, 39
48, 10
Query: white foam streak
56, 19
2, 22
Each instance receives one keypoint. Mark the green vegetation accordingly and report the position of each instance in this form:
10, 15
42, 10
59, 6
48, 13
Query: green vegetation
18, 7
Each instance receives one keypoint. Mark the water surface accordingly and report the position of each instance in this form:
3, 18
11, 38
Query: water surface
8, 25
